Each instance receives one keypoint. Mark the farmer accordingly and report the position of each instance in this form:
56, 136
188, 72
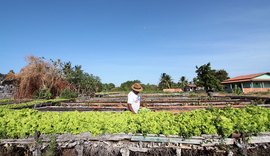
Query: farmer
134, 98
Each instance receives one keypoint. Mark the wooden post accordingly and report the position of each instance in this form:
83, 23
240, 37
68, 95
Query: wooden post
244, 144
37, 152
178, 152
261, 85
124, 151
79, 149
251, 86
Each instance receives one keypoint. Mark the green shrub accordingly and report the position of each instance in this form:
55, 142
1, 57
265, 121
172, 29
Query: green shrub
237, 91
42, 94
68, 94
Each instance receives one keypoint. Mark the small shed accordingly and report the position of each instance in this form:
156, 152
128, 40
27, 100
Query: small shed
190, 87
249, 83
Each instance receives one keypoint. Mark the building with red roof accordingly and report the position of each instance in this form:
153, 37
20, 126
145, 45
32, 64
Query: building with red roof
249, 83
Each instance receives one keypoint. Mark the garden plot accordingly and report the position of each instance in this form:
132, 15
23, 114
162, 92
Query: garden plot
210, 131
155, 103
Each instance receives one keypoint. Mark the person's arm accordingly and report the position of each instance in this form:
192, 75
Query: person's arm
130, 108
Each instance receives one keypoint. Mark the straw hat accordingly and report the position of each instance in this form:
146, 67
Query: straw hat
137, 87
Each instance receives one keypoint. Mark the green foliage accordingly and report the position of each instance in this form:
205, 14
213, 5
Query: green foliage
150, 88
147, 88
90, 84
221, 75
42, 94
182, 82
165, 81
126, 86
107, 87
237, 91
144, 110
249, 120
206, 77
84, 83
6, 100
224, 125
68, 94
30, 103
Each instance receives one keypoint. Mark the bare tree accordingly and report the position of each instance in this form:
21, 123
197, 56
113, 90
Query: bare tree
39, 75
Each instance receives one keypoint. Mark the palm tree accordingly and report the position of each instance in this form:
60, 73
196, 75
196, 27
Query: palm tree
182, 82
165, 81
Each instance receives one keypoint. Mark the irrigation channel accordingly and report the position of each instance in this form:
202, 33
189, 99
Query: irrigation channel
172, 103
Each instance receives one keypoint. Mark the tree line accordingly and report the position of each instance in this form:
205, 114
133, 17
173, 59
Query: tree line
208, 78
42, 78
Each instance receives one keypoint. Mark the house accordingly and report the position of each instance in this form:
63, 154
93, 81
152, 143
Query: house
7, 85
249, 83
190, 87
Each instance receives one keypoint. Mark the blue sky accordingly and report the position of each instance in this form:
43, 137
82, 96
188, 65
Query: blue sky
120, 40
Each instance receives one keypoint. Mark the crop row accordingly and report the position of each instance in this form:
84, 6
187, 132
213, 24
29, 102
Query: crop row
29, 104
24, 122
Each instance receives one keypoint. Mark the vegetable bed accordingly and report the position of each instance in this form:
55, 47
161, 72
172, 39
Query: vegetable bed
224, 122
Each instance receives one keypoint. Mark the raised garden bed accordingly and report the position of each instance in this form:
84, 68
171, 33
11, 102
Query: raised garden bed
23, 123
121, 108
173, 104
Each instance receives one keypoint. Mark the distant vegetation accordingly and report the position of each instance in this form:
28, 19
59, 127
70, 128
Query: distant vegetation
43, 79
210, 79
47, 79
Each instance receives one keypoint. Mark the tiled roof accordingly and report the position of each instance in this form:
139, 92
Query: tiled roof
242, 78
191, 85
